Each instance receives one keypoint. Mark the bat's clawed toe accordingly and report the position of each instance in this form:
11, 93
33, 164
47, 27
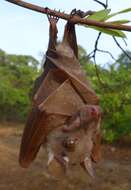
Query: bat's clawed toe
63, 161
52, 19
58, 166
79, 13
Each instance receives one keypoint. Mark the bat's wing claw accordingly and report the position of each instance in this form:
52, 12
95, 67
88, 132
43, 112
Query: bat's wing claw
87, 165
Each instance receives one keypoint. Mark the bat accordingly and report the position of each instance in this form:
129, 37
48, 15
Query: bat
65, 114
77, 142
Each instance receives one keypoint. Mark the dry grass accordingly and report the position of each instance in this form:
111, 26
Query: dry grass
113, 173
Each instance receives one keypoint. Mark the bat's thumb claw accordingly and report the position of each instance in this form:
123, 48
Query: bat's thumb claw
87, 165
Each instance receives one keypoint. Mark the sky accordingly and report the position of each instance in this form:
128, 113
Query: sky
25, 32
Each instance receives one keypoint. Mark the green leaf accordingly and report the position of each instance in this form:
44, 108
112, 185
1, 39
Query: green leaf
103, 15
120, 12
125, 11
124, 21
100, 15
111, 32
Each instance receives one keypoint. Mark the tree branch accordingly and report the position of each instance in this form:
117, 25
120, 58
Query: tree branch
74, 19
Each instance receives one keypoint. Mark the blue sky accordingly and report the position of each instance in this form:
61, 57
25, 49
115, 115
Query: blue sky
26, 32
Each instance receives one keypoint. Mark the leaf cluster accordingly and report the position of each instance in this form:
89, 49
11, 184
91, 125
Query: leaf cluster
104, 15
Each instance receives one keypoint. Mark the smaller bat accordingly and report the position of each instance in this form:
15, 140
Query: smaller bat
83, 117
76, 142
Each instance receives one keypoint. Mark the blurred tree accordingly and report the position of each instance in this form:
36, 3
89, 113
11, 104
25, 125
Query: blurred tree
124, 60
17, 74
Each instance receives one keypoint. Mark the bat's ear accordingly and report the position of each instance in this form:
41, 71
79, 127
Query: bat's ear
96, 151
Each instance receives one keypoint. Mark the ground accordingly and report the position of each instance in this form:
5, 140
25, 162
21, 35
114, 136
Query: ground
112, 173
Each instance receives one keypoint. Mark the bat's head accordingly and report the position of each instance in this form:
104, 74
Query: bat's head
91, 111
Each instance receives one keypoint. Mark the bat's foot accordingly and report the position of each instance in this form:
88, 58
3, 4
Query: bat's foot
55, 169
57, 164
52, 19
63, 161
79, 13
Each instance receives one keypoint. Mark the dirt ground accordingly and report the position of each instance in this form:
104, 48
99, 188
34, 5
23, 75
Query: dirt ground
112, 173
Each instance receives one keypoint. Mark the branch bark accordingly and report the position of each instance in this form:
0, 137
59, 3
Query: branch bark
74, 19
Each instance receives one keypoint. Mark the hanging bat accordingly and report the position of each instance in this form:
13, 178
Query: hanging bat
65, 114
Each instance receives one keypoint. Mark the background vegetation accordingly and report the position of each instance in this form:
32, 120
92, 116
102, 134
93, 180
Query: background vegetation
18, 72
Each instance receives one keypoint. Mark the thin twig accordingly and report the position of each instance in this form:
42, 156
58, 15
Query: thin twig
107, 52
93, 53
98, 73
124, 41
90, 54
105, 5
96, 49
94, 58
117, 43
74, 19
97, 40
